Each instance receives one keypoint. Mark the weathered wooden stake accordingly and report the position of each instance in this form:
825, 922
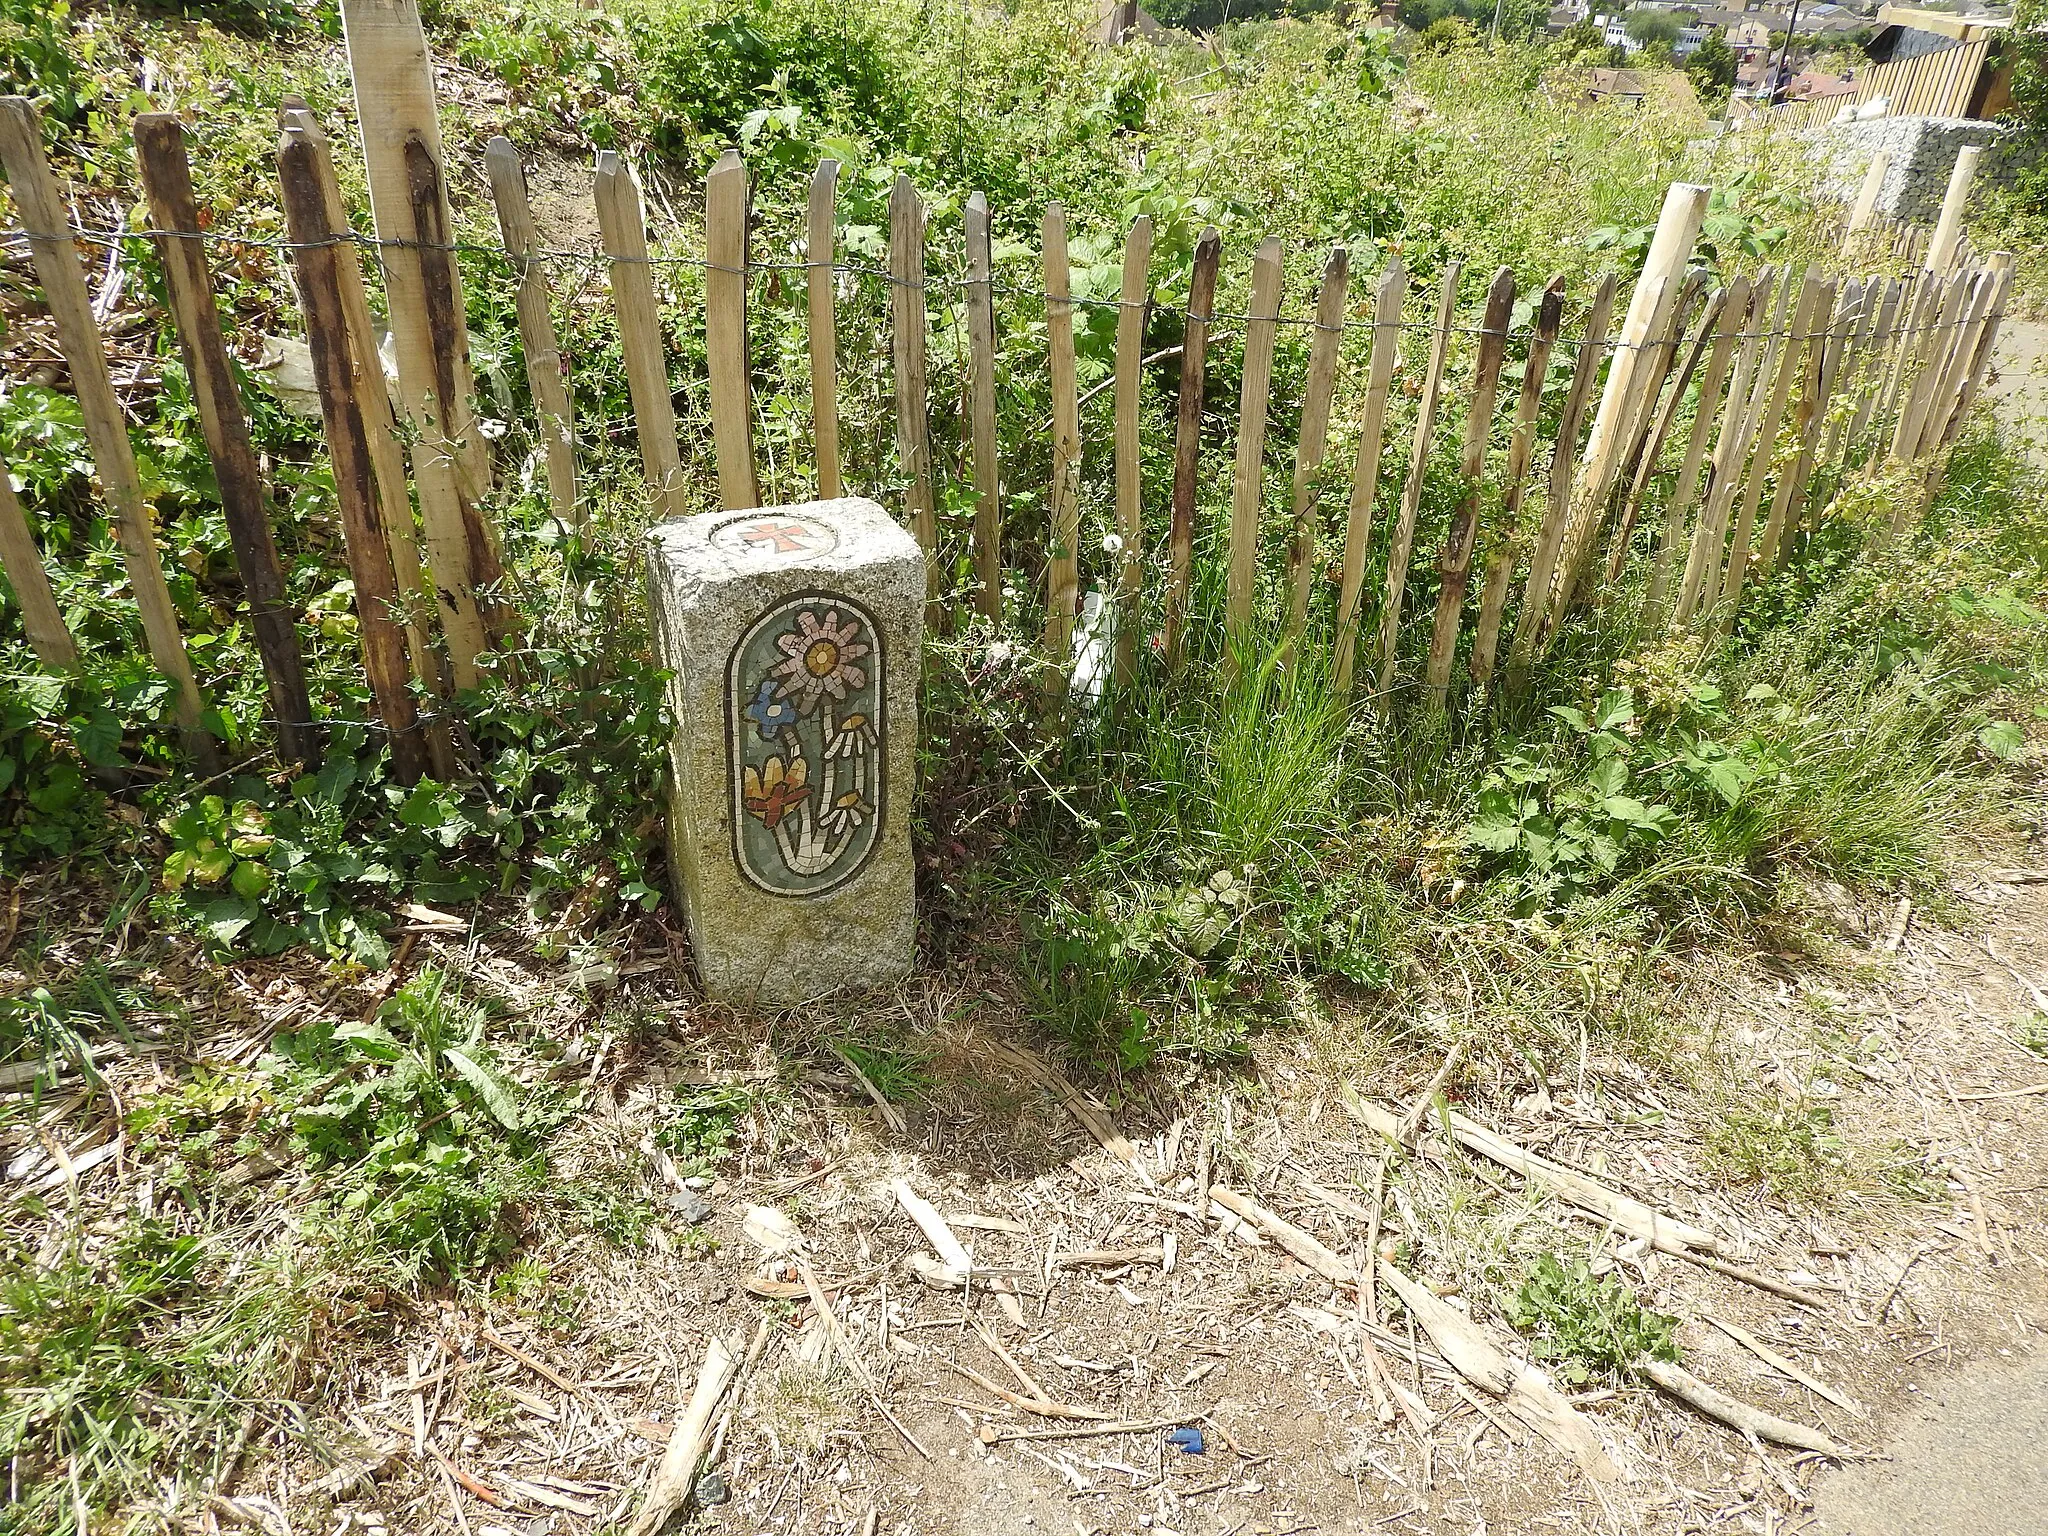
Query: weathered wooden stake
726, 203
1365, 466
1248, 477
1063, 498
1403, 544
431, 669
544, 366
1653, 443
981, 412
1563, 458
819, 237
396, 110
1500, 565
622, 219
1454, 562
1134, 302
1727, 315
1865, 207
369, 561
1948, 228
188, 282
1187, 438
47, 224
907, 346
1315, 433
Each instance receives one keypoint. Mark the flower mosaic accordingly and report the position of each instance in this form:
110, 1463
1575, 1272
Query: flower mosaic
804, 698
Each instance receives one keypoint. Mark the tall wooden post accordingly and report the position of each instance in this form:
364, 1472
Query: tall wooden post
1134, 301
1248, 478
981, 412
1365, 466
622, 219
1454, 563
824, 338
167, 181
431, 669
1187, 438
1315, 433
47, 224
907, 347
369, 559
1948, 229
395, 106
726, 203
1063, 498
544, 365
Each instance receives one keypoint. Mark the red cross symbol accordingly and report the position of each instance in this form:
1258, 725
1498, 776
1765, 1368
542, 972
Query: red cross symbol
786, 537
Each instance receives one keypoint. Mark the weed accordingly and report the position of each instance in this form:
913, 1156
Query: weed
430, 1143
1588, 1326
899, 1069
2031, 1033
123, 1359
698, 1127
1787, 1146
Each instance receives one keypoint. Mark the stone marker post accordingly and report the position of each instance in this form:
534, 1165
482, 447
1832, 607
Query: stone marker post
794, 635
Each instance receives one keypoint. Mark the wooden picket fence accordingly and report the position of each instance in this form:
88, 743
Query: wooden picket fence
1725, 393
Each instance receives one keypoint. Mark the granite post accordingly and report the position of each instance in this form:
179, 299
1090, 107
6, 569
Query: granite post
794, 636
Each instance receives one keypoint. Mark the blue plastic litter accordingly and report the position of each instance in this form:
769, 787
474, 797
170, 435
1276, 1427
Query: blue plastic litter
1187, 1441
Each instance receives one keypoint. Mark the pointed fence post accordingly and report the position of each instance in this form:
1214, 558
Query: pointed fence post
1248, 478
1454, 564
223, 422
1187, 439
544, 365
47, 224
1500, 565
981, 412
1865, 208
1133, 304
1063, 497
1563, 458
395, 107
726, 200
623, 221
907, 350
1315, 433
431, 669
369, 560
1948, 228
1365, 466
1650, 308
1403, 545
819, 230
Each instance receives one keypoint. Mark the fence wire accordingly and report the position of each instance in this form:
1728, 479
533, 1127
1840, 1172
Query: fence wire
514, 264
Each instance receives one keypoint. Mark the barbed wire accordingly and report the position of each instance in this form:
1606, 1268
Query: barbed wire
929, 284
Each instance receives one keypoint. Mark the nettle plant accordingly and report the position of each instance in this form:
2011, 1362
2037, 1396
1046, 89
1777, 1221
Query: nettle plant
1573, 816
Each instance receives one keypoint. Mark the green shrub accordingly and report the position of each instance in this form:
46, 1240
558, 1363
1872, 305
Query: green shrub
1586, 1326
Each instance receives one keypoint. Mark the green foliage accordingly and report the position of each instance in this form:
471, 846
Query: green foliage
899, 1069
1712, 70
700, 1123
1788, 1147
1588, 1327
122, 1357
431, 1143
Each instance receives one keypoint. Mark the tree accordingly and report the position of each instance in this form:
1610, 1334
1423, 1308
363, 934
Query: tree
1712, 68
1581, 43
1647, 27
1447, 34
